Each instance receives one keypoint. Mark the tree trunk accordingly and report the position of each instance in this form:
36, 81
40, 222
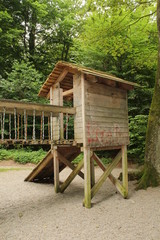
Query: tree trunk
32, 33
151, 176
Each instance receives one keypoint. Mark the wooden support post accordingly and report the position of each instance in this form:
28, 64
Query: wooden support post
87, 178
86, 150
92, 171
125, 170
61, 114
72, 176
106, 174
56, 169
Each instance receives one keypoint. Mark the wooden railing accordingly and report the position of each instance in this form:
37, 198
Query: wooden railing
32, 123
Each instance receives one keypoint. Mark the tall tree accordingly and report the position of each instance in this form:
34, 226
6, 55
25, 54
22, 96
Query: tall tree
151, 176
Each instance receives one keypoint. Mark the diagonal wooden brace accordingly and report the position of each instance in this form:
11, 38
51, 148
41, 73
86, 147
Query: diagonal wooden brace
69, 164
115, 181
106, 173
72, 176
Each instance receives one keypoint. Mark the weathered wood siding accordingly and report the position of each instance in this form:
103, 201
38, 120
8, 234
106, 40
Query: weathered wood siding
56, 98
106, 116
77, 101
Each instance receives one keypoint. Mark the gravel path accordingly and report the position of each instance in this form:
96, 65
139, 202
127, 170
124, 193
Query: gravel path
30, 211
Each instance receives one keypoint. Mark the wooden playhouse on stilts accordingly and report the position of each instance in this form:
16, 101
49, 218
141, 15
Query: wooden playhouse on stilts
100, 117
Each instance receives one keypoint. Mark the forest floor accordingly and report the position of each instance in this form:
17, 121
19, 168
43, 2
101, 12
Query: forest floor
32, 211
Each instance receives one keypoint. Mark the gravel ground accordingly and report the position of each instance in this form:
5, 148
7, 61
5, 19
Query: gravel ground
31, 211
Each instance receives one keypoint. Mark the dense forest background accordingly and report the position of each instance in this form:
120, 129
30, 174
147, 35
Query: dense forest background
118, 37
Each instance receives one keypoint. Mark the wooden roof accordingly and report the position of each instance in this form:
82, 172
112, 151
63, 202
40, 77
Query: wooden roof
63, 73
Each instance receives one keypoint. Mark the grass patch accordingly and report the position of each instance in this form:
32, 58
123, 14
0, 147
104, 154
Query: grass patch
11, 169
22, 155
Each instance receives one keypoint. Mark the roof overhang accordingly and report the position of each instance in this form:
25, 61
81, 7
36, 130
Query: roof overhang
63, 73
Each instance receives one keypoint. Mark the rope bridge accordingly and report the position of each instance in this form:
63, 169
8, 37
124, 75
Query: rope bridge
31, 123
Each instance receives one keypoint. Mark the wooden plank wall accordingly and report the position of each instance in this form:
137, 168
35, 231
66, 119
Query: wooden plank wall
106, 116
77, 101
56, 98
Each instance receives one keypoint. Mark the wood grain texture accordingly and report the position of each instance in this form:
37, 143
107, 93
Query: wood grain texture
77, 100
106, 116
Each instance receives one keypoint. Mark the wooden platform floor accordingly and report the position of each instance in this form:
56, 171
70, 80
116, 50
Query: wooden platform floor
37, 142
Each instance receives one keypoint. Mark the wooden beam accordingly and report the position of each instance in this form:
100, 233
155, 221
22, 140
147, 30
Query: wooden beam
106, 173
56, 169
29, 106
39, 167
68, 92
69, 164
117, 184
61, 76
72, 176
125, 170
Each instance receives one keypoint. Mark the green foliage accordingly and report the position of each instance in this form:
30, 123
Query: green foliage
119, 37
22, 155
137, 127
22, 82
78, 159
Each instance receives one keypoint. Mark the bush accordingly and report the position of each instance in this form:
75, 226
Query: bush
137, 128
22, 155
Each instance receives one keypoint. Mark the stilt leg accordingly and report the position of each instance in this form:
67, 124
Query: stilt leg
56, 170
125, 170
87, 178
92, 171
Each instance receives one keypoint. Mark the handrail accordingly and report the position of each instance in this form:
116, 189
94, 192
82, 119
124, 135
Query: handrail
29, 106
18, 121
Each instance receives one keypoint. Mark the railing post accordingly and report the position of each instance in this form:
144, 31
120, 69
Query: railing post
51, 126
25, 125
34, 121
66, 126
18, 115
15, 125
3, 124
49, 132
22, 126
1, 120
10, 119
